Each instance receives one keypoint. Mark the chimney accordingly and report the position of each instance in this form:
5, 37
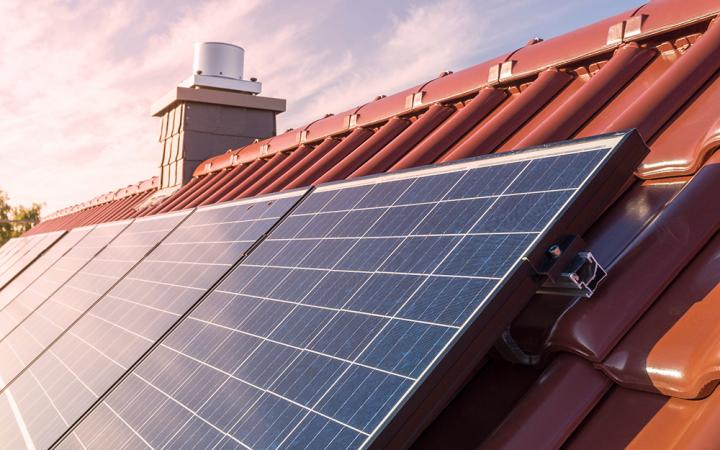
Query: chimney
211, 111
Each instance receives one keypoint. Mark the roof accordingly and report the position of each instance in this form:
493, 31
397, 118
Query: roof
636, 365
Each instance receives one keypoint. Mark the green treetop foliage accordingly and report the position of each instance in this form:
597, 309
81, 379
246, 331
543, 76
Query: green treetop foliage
15, 220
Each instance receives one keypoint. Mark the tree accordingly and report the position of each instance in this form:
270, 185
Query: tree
15, 220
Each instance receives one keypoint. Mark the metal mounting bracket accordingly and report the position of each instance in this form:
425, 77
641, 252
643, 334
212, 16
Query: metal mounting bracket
568, 270
580, 278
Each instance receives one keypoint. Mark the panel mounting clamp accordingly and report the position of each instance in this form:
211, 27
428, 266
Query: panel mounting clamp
567, 270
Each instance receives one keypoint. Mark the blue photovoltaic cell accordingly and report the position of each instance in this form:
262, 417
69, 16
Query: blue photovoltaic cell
94, 240
11, 246
40, 266
322, 332
14, 249
18, 262
69, 376
51, 318
41, 244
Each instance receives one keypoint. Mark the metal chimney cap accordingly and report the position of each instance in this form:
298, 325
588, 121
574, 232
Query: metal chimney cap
219, 65
218, 59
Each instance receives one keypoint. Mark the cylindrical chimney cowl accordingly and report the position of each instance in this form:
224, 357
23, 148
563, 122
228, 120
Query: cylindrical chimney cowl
218, 59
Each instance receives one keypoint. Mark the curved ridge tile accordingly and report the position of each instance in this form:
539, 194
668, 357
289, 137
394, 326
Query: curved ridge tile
237, 175
216, 163
461, 82
332, 158
252, 178
301, 166
286, 164
329, 125
385, 107
588, 40
623, 99
405, 141
382, 137
664, 14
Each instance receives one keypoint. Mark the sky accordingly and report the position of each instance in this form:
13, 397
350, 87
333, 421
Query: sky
79, 76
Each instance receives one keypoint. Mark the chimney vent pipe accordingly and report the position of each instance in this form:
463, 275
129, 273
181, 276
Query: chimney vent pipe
218, 59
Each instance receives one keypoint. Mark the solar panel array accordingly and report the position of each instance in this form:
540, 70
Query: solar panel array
320, 335
85, 360
19, 308
21, 247
296, 320
32, 250
52, 317
10, 246
40, 266
13, 248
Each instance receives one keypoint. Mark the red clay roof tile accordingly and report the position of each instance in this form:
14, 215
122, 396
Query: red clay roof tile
253, 177
332, 158
574, 112
385, 107
558, 401
454, 128
285, 165
640, 420
666, 350
580, 43
330, 125
353, 160
646, 267
661, 15
405, 141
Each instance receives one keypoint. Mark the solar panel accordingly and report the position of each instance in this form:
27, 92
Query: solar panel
57, 275
8, 245
18, 252
11, 246
38, 268
41, 327
41, 244
24, 244
66, 379
344, 322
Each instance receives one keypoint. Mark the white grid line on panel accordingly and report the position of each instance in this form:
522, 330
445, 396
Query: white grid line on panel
431, 203
399, 236
329, 308
369, 272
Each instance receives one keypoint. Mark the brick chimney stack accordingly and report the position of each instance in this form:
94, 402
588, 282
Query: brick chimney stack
211, 111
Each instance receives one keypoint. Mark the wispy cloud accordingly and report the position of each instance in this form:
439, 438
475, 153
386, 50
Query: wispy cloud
79, 77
